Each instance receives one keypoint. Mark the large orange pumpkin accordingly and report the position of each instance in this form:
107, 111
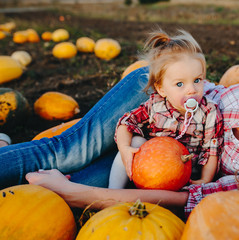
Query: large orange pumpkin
134, 66
57, 130
214, 218
132, 221
162, 163
32, 212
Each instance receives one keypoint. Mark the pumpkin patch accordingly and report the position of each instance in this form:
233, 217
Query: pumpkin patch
161, 163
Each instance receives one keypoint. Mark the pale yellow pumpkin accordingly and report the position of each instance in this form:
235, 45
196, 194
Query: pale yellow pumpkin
134, 66
64, 50
60, 35
214, 218
9, 69
32, 212
56, 106
8, 27
230, 77
85, 44
107, 48
132, 221
23, 57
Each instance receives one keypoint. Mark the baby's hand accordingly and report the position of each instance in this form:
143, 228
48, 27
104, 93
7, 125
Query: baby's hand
127, 154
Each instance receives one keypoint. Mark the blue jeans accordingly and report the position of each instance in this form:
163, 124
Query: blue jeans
91, 139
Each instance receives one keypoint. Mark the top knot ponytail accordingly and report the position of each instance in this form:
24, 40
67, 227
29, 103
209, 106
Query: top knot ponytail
157, 39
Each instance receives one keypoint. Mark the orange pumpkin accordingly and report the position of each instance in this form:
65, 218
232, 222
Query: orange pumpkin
56, 106
46, 36
230, 77
32, 212
57, 130
162, 163
215, 217
134, 66
33, 36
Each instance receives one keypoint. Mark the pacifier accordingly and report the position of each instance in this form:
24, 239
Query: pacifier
191, 105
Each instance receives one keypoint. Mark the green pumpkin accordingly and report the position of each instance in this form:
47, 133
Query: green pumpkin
13, 107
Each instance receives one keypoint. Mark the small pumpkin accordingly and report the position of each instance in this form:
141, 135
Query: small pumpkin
14, 107
46, 36
60, 34
64, 50
162, 163
215, 217
57, 130
2, 35
107, 48
134, 66
230, 77
32, 36
23, 57
132, 221
32, 212
56, 106
20, 37
85, 44
9, 69
8, 27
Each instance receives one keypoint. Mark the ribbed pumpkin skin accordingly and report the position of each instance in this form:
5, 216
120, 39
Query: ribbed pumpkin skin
116, 223
158, 165
56, 106
57, 130
134, 66
32, 212
9, 69
13, 106
214, 218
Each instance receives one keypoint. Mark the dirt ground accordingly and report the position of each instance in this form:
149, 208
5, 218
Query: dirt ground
87, 78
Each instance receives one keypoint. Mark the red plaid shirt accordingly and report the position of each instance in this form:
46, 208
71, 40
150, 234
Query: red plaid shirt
229, 106
202, 137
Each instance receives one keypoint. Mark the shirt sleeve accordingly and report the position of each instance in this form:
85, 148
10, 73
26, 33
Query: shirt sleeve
213, 135
135, 119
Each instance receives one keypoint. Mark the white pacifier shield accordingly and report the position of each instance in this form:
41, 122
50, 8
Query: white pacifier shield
191, 103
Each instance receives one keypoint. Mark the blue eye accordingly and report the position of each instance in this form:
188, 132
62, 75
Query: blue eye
179, 84
197, 80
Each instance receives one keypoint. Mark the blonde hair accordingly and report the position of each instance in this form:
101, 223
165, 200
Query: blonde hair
163, 50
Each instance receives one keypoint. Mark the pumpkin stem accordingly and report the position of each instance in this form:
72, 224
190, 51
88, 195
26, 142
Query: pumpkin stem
186, 158
138, 209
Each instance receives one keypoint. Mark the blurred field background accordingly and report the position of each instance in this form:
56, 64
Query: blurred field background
87, 78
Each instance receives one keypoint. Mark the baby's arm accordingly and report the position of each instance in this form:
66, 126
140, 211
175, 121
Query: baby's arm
208, 171
124, 138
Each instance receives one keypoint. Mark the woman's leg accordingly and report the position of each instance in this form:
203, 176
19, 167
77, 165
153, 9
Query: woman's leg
91, 137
